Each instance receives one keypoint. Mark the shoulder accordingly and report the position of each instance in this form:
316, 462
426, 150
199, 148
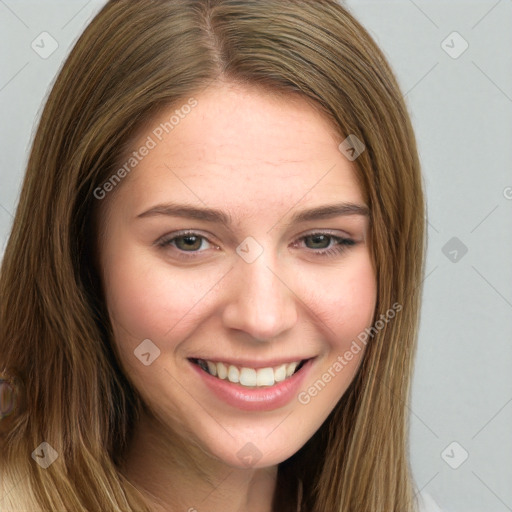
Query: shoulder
427, 504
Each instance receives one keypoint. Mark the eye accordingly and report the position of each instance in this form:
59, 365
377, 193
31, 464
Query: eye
184, 242
319, 244
324, 242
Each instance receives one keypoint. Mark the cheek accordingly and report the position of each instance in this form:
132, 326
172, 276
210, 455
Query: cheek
148, 299
344, 300
357, 304
346, 308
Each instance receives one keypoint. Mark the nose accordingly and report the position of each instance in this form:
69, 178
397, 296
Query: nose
261, 301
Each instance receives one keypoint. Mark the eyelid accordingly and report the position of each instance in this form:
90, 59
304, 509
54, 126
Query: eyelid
339, 233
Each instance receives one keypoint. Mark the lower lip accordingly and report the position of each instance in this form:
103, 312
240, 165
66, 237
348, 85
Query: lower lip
265, 398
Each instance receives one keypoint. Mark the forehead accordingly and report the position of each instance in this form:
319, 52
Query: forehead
241, 149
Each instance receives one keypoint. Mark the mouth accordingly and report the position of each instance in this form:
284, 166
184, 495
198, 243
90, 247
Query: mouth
250, 377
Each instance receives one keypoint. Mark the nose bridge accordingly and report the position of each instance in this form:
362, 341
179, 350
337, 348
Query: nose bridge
262, 305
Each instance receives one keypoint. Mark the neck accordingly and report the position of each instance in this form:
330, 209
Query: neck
174, 475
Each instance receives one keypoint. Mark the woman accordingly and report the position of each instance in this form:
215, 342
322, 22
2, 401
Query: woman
211, 291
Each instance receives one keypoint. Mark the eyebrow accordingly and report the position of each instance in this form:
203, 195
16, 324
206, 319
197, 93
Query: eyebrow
218, 216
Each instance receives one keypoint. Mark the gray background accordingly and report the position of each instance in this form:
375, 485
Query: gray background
461, 109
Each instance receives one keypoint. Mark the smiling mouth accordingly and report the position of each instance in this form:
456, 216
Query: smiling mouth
250, 377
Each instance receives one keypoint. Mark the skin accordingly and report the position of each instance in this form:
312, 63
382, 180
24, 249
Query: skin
261, 159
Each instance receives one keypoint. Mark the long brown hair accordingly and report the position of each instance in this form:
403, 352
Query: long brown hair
134, 58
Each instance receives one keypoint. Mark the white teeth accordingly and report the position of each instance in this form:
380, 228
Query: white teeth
280, 373
251, 377
248, 377
233, 374
290, 368
222, 371
212, 368
265, 377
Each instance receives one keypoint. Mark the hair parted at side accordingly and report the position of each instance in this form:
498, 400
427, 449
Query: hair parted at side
136, 57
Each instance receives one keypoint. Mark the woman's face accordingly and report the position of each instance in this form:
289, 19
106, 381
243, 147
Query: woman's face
220, 255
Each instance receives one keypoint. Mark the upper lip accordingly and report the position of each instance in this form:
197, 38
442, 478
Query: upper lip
252, 363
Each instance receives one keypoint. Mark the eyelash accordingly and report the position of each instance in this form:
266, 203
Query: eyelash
342, 244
